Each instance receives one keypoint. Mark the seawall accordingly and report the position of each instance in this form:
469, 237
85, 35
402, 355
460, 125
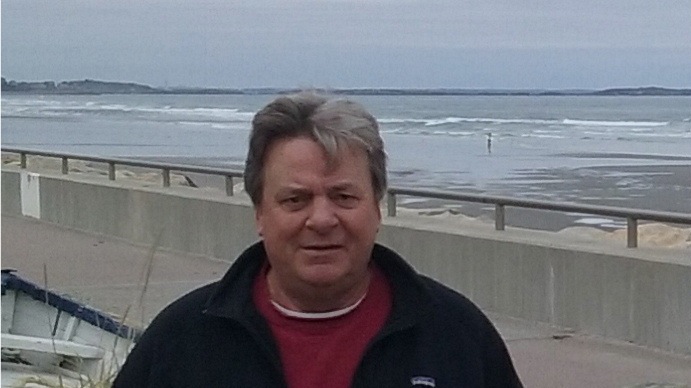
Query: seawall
640, 295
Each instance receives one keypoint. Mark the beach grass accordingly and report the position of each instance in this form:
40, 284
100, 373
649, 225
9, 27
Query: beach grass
66, 376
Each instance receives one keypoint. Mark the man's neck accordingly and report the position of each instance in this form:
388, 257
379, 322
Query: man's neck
306, 298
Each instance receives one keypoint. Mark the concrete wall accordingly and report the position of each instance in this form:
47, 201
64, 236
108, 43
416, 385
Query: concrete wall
179, 219
638, 295
11, 200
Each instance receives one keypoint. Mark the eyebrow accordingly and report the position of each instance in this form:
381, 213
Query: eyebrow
292, 190
343, 186
340, 186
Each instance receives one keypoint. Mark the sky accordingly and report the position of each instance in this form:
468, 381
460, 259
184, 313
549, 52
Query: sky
496, 44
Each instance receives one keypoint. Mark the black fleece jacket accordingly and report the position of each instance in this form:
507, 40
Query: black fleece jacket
215, 337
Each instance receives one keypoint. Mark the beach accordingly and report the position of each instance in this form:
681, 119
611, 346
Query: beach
650, 187
651, 234
629, 152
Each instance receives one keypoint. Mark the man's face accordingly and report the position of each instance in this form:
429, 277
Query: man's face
318, 221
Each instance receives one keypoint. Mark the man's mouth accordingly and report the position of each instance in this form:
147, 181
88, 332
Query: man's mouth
321, 247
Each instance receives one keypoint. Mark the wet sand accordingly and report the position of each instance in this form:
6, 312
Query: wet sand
649, 187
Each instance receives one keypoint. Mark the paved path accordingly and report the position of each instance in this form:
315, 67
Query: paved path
107, 273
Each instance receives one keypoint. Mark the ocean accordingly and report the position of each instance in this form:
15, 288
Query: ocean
632, 151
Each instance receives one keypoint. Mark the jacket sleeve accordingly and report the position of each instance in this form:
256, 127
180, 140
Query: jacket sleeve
145, 365
499, 369
471, 334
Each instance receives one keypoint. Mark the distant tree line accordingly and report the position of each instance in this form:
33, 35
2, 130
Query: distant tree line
89, 86
75, 87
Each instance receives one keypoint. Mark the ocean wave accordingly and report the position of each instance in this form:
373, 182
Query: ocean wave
27, 102
496, 121
428, 132
401, 121
209, 112
542, 136
686, 135
635, 135
166, 113
457, 120
599, 123
215, 125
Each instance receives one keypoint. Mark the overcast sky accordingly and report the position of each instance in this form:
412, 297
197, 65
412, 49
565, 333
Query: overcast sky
551, 44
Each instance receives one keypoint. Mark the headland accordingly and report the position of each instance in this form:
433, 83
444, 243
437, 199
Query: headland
89, 86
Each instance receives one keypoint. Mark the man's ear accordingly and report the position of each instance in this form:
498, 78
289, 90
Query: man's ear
258, 220
378, 205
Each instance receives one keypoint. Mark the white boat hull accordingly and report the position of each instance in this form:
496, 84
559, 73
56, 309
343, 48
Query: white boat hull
49, 340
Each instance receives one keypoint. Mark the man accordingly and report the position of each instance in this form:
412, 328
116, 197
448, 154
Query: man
317, 303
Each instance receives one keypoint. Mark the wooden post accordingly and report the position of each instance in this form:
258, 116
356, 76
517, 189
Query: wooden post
111, 171
65, 167
391, 204
499, 217
229, 185
631, 232
166, 177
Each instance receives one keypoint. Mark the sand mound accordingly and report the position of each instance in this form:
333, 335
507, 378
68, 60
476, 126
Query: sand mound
654, 235
37, 163
649, 235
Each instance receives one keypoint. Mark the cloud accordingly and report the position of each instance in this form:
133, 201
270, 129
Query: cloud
272, 42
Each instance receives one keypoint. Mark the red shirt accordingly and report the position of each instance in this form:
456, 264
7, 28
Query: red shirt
325, 353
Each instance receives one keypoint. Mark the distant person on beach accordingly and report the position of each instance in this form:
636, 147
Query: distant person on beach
489, 143
316, 302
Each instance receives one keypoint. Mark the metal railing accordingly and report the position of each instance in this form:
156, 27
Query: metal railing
165, 168
500, 203
632, 216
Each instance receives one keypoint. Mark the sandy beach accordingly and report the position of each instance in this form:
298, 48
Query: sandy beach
591, 190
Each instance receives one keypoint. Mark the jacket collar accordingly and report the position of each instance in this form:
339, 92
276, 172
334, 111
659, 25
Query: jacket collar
232, 297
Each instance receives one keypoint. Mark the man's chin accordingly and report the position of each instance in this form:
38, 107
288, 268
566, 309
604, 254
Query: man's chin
322, 275
323, 254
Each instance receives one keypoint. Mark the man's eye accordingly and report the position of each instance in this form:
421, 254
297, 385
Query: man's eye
293, 203
345, 200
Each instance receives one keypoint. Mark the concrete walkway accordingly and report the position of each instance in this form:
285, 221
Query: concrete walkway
108, 273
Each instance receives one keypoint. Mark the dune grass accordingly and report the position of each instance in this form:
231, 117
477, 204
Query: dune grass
107, 373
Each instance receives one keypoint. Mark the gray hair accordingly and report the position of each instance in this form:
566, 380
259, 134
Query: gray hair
333, 123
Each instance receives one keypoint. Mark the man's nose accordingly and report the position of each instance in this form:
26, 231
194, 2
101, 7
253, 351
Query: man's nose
322, 216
